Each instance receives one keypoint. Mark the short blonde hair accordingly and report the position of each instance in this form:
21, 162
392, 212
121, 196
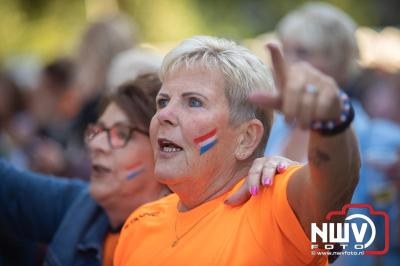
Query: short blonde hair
323, 27
243, 73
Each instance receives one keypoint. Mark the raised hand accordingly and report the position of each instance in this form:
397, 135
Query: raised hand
304, 94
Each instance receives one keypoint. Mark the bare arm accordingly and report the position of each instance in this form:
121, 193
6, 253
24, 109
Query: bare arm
328, 181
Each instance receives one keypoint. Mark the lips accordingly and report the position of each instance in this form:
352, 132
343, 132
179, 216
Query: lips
168, 146
98, 170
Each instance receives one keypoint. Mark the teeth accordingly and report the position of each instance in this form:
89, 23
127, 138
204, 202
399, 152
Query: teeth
171, 149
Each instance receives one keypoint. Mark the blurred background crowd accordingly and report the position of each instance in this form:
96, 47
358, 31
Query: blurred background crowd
58, 58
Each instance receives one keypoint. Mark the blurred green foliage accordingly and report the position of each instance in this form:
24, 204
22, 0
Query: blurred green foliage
51, 27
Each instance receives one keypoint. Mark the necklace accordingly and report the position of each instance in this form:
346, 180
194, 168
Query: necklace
177, 238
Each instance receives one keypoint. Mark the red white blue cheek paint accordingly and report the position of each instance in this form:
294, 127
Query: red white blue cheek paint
134, 170
207, 141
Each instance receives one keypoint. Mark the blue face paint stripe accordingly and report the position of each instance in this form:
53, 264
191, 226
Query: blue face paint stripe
134, 174
207, 147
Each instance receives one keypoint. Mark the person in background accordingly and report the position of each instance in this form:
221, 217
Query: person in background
129, 64
323, 36
381, 94
46, 107
81, 221
102, 40
14, 133
47, 104
13, 142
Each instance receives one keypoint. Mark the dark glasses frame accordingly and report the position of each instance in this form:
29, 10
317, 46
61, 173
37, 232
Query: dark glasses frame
94, 129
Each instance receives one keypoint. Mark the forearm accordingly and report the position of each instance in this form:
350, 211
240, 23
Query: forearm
334, 163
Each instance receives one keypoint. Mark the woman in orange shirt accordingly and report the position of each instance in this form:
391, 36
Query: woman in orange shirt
205, 134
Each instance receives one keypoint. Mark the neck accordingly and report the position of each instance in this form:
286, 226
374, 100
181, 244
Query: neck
120, 207
192, 194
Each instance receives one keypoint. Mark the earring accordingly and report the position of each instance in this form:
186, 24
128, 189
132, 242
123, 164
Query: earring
240, 156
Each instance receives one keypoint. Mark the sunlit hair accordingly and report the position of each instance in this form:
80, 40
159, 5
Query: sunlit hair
136, 98
243, 73
130, 64
324, 28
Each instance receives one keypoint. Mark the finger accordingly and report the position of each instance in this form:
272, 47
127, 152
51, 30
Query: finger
255, 175
239, 197
292, 94
282, 166
323, 106
266, 100
307, 109
268, 174
328, 104
279, 65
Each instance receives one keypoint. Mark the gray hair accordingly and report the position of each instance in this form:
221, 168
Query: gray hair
323, 27
243, 73
130, 64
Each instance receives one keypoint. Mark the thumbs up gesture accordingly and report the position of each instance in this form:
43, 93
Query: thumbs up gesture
305, 94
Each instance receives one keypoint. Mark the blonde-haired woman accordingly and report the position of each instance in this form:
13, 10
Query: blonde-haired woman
205, 135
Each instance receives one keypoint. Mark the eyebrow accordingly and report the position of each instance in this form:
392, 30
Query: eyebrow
185, 94
163, 95
118, 123
194, 93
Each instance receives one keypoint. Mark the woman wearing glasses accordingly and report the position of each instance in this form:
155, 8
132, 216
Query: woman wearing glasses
80, 222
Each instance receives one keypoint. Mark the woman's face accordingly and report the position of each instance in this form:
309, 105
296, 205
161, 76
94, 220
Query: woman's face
296, 51
117, 172
190, 132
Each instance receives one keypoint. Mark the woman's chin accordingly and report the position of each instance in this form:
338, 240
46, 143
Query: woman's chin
167, 177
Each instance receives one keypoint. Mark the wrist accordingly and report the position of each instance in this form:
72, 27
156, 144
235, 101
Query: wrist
336, 126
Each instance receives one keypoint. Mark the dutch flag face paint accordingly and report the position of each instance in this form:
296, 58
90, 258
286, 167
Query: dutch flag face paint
206, 141
134, 170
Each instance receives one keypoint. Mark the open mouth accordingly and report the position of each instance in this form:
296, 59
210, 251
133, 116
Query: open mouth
100, 170
168, 146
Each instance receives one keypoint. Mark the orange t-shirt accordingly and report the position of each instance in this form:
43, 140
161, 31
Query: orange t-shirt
263, 231
109, 247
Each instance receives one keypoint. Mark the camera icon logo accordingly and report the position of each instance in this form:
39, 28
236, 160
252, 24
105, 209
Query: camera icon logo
364, 231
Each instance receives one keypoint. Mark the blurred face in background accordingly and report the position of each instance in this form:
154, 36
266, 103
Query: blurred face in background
296, 51
121, 155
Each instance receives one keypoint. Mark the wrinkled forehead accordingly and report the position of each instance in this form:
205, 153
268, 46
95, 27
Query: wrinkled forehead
194, 76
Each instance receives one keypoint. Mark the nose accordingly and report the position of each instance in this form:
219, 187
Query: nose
99, 144
167, 115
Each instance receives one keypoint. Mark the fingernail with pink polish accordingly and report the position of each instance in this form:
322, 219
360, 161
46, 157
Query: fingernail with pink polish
281, 167
267, 182
253, 190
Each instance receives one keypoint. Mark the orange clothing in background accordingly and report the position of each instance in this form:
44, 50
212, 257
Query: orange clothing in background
109, 247
263, 231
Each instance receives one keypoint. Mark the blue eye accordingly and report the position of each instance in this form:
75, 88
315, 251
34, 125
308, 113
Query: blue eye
194, 102
162, 102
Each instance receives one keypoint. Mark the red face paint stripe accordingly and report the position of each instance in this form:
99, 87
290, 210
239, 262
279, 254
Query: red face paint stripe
206, 136
133, 165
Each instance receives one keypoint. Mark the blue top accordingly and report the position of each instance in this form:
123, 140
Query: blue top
56, 211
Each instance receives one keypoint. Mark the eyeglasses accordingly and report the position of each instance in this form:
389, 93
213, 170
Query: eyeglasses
118, 135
